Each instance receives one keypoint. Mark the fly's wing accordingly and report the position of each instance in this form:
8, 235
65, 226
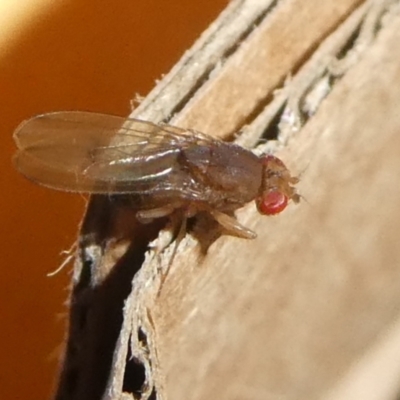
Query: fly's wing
96, 153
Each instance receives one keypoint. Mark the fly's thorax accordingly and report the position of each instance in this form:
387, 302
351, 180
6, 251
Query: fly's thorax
230, 174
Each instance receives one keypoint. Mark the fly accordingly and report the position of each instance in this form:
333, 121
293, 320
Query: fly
165, 169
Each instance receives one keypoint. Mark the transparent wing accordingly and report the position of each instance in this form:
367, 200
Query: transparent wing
97, 153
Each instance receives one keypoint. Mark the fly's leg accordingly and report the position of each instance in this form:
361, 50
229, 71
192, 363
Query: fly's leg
181, 234
232, 226
147, 216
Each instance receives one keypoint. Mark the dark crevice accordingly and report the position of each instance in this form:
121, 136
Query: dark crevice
85, 275
134, 376
96, 318
349, 44
224, 56
263, 103
352, 41
142, 337
71, 379
153, 395
180, 105
246, 33
271, 131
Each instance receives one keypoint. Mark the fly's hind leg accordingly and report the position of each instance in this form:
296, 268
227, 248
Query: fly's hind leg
147, 216
232, 226
178, 238
177, 219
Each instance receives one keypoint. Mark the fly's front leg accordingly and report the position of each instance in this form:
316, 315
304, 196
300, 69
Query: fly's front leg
232, 226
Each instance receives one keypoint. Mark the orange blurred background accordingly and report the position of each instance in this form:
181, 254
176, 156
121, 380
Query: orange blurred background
66, 55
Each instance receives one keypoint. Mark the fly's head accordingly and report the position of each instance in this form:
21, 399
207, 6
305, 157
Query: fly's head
276, 187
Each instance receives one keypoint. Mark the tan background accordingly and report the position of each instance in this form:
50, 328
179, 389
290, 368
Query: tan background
87, 55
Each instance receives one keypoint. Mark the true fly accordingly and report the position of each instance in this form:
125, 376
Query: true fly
164, 169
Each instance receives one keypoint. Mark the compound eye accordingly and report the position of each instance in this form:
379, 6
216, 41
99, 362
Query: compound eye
272, 203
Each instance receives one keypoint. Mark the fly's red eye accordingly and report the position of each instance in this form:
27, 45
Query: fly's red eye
272, 203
